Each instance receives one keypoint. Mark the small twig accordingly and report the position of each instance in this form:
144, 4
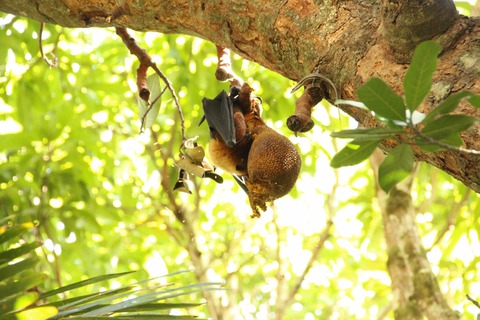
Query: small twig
326, 233
445, 145
452, 217
146, 62
51, 64
224, 70
175, 99
473, 301
150, 106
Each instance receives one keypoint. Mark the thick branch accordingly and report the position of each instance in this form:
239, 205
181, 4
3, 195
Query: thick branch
414, 286
407, 23
342, 40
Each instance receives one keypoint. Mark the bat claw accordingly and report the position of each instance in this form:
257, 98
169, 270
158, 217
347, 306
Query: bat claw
311, 78
255, 215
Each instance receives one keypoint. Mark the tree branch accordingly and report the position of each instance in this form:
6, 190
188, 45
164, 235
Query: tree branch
296, 40
407, 23
51, 64
145, 63
452, 217
189, 242
414, 286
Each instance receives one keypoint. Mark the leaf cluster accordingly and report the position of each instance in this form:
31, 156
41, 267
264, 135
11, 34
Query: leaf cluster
21, 299
437, 131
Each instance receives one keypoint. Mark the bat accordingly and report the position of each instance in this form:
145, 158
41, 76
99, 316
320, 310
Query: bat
230, 142
265, 163
219, 116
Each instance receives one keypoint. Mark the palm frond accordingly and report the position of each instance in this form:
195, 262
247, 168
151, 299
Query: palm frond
19, 299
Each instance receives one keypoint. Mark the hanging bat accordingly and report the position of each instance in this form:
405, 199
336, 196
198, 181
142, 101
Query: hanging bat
230, 142
266, 162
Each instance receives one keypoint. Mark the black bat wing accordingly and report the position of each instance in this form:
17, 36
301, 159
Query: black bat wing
219, 115
241, 182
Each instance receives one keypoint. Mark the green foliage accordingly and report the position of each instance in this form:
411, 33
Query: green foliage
148, 112
17, 278
418, 78
354, 152
434, 132
20, 299
382, 100
397, 166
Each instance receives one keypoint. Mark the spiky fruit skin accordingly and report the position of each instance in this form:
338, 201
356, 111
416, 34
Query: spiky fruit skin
273, 167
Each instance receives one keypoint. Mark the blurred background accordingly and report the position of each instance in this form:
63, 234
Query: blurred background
100, 193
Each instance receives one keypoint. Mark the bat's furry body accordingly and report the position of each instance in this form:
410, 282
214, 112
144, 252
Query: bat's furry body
243, 145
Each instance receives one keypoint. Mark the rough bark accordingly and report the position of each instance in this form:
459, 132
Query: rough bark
416, 293
348, 41
413, 283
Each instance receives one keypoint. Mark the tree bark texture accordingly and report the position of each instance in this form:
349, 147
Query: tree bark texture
416, 293
414, 286
347, 41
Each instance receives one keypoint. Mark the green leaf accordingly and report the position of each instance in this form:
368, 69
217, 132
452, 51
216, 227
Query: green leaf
12, 233
418, 78
14, 269
147, 112
397, 166
83, 283
367, 134
354, 153
138, 317
378, 97
152, 297
447, 125
65, 304
448, 105
453, 140
475, 101
159, 306
12, 287
9, 255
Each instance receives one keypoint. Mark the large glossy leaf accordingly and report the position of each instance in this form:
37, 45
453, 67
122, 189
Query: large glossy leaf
69, 303
418, 78
453, 140
354, 153
447, 125
448, 105
396, 167
475, 101
382, 100
367, 133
